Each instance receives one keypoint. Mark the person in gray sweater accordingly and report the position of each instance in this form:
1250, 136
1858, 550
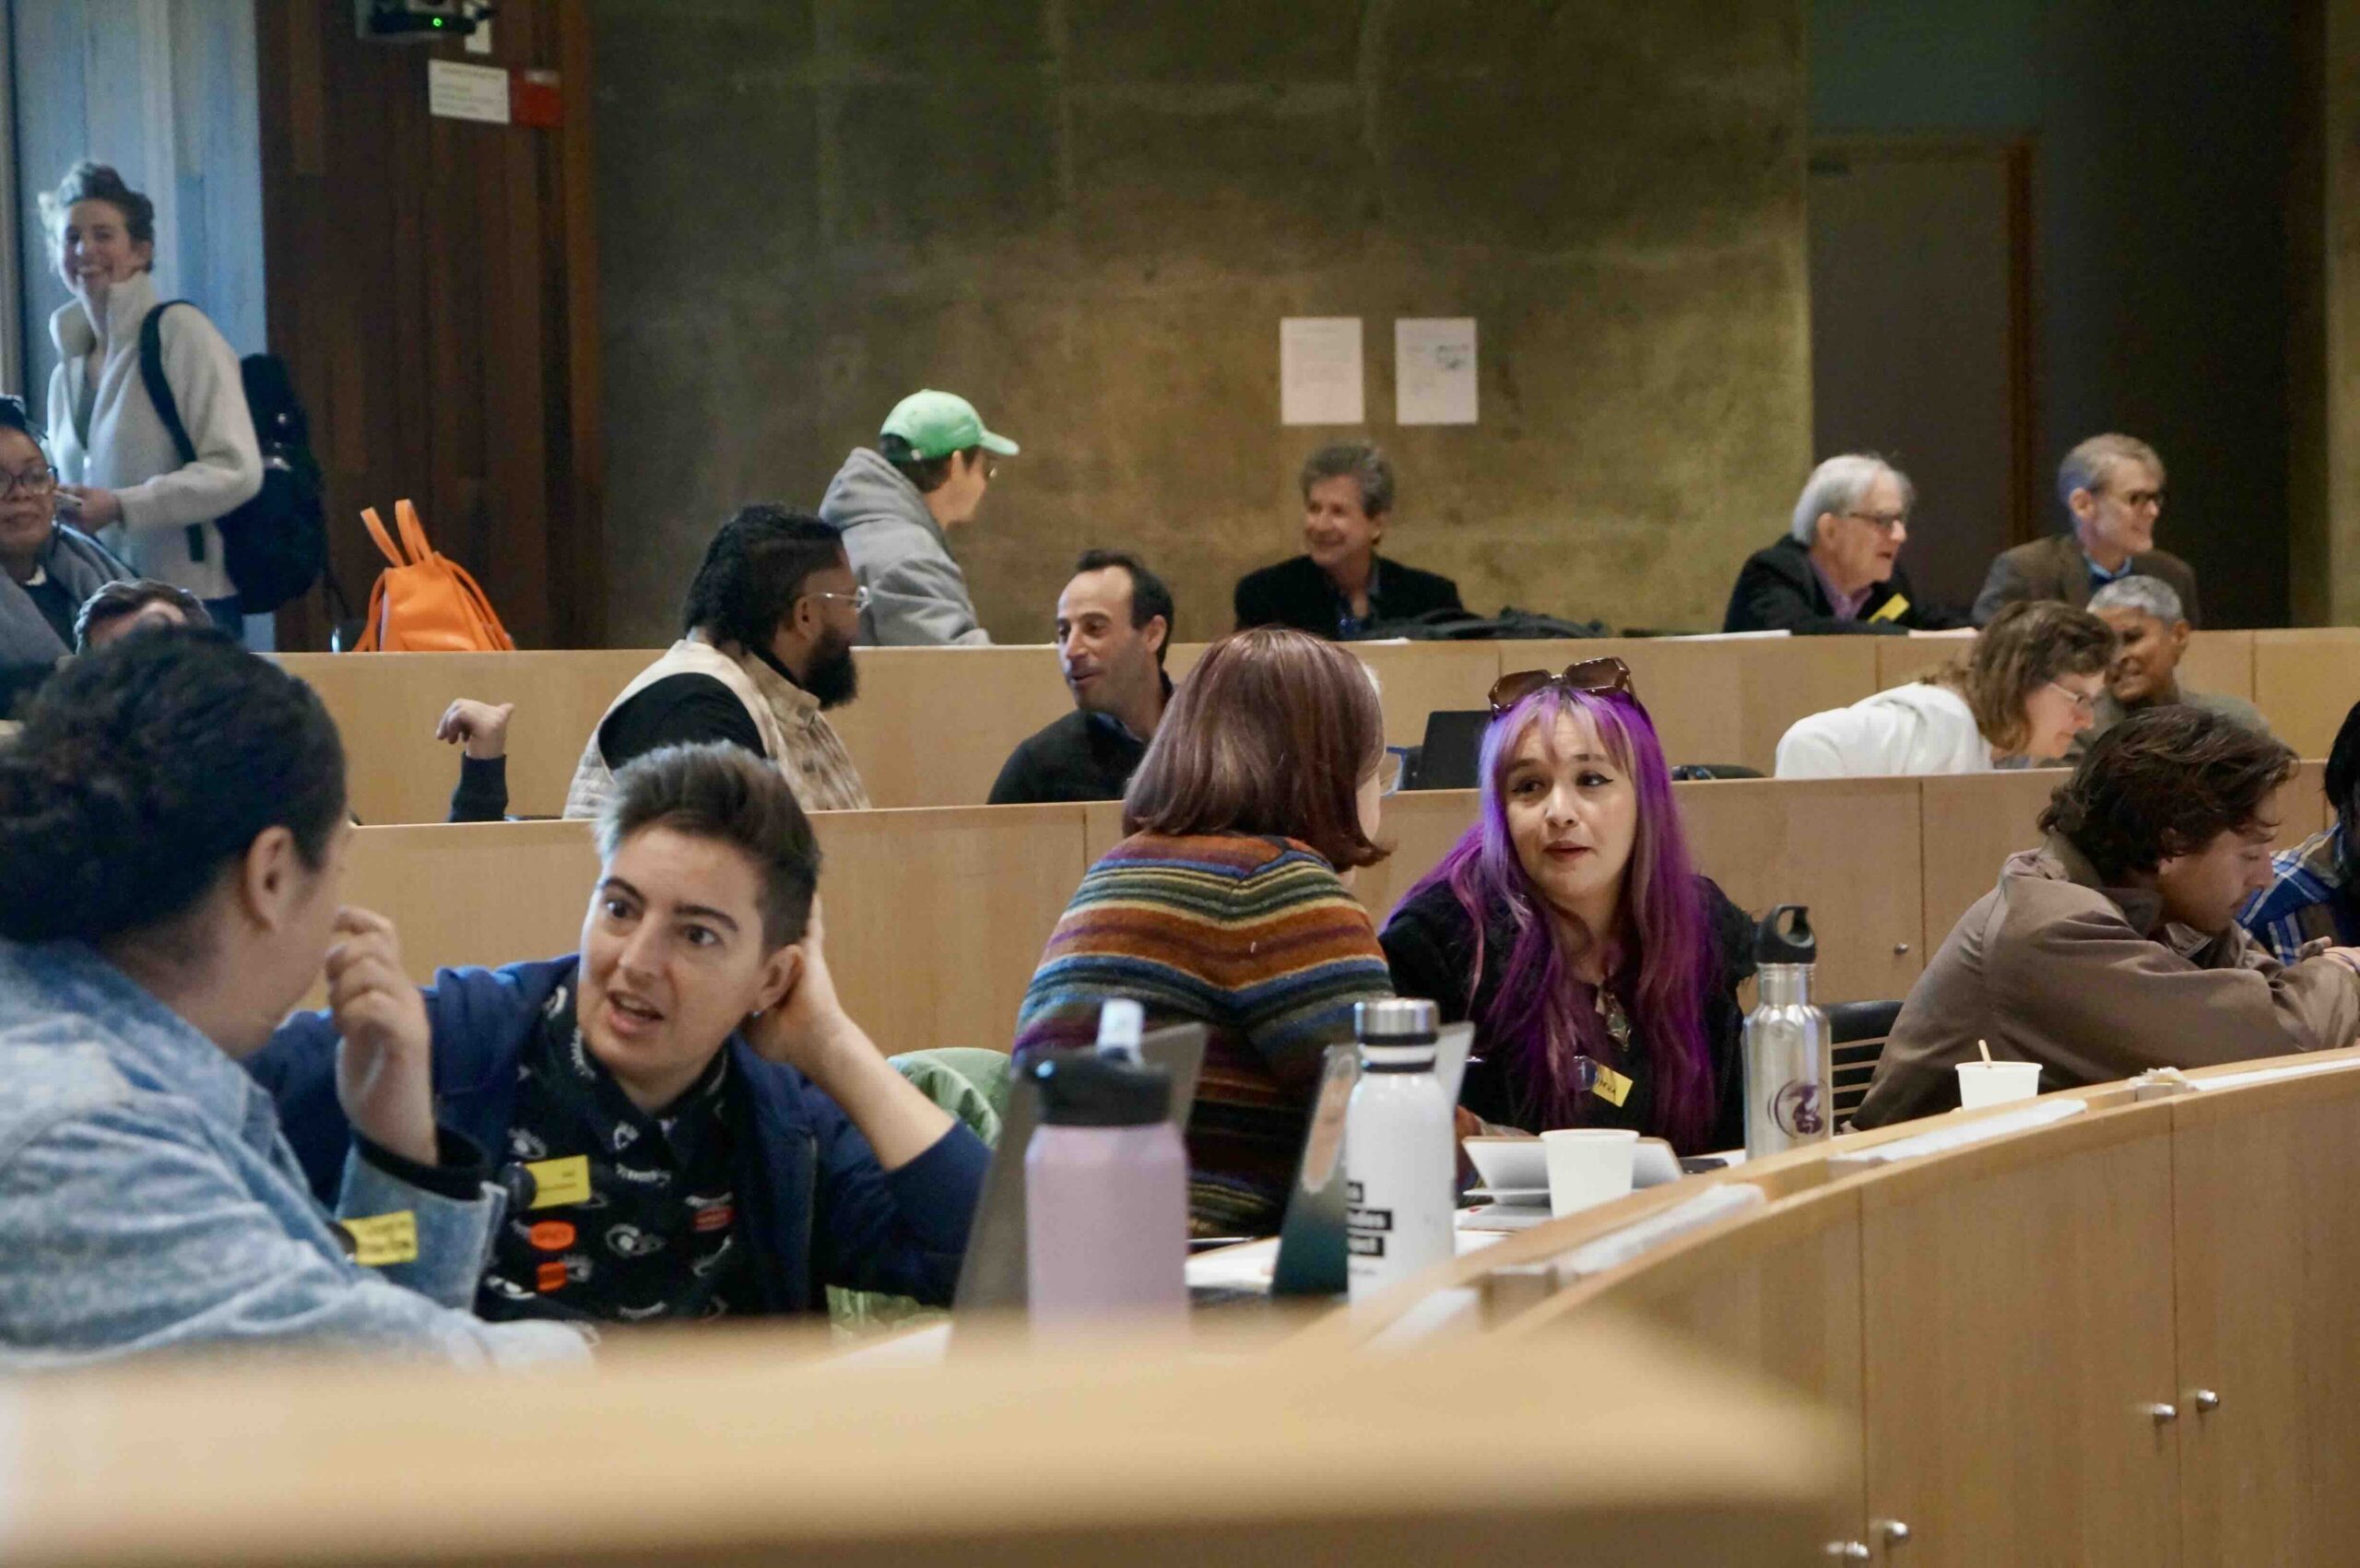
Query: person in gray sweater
893, 504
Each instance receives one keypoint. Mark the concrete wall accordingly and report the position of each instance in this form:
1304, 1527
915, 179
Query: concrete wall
2165, 143
1089, 216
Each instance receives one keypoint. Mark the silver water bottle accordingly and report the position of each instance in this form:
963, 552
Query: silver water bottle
1400, 1159
1789, 1064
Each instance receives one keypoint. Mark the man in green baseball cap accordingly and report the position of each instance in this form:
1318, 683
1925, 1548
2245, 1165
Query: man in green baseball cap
893, 504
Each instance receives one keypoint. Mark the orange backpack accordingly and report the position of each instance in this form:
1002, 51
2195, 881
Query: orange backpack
426, 603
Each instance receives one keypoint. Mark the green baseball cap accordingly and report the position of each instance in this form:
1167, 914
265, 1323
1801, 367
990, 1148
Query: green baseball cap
937, 424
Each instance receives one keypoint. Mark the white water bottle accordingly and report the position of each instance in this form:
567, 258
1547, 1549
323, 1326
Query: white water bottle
1400, 1160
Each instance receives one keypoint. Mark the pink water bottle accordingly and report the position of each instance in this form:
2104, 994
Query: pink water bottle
1105, 1198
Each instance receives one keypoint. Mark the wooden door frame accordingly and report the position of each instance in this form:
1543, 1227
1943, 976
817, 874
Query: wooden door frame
2027, 491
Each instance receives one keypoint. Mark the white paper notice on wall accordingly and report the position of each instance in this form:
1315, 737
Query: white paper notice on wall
1434, 370
1319, 370
466, 92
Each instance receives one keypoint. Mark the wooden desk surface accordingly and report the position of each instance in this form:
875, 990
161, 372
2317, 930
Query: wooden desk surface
728, 1447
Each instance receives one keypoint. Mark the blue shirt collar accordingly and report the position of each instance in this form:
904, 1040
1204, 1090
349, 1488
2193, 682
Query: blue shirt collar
2100, 576
1346, 621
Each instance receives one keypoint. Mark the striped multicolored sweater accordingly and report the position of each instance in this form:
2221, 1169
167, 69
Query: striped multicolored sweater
1258, 940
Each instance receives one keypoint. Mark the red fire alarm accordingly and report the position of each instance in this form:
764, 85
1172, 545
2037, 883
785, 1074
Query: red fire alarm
534, 99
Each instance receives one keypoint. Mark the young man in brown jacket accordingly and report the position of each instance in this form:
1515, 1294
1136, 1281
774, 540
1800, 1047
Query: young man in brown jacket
2113, 947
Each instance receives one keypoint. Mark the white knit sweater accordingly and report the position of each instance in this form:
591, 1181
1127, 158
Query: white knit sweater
126, 449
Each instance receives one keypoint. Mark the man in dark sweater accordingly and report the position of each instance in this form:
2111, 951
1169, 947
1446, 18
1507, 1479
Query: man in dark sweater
1114, 623
1836, 570
1339, 588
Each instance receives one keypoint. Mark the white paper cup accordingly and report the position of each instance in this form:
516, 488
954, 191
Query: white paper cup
1587, 1166
1996, 1083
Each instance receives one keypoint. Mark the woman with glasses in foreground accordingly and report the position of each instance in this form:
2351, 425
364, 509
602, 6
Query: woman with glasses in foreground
47, 570
1226, 905
2031, 686
1599, 969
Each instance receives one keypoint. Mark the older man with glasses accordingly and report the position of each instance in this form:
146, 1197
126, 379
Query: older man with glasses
1835, 571
2113, 489
2151, 636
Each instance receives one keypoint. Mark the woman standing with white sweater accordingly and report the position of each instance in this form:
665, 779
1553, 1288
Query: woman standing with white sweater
124, 477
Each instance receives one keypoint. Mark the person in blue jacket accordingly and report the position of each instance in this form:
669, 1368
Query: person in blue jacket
691, 1124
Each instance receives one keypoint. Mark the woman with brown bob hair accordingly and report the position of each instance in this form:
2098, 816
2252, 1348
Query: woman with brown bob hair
1224, 905
2031, 686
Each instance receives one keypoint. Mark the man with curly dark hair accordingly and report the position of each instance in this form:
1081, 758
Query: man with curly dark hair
2113, 946
765, 648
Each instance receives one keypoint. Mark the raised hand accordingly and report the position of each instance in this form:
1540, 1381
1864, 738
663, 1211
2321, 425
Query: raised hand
482, 727
383, 1069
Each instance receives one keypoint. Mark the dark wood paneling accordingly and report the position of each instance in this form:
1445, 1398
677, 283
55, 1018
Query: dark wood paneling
429, 286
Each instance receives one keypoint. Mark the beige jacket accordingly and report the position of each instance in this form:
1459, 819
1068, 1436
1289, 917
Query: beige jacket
795, 736
2089, 982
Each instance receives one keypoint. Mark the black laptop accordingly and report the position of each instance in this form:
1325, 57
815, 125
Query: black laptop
1454, 743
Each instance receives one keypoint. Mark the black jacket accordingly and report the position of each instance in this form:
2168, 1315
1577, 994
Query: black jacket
1080, 757
1777, 591
1429, 943
1298, 593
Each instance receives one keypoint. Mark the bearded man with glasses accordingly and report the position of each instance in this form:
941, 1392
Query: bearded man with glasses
765, 648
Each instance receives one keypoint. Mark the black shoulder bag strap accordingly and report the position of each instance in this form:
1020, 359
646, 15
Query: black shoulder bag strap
159, 392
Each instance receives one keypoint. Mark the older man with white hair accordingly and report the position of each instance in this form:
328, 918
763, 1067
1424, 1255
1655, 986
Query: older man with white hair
1835, 571
2152, 632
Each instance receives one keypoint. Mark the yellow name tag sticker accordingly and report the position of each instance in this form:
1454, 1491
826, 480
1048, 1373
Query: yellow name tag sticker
381, 1240
1892, 608
557, 1182
1611, 1085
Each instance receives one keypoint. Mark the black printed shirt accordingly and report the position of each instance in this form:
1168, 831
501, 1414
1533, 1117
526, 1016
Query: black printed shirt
658, 1235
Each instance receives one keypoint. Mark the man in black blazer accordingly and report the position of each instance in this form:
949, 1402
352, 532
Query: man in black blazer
1837, 570
1340, 588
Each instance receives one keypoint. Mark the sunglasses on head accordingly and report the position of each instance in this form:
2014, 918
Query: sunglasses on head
1606, 675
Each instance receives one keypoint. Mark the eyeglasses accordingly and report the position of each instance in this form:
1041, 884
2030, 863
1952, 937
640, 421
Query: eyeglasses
2140, 500
1883, 522
1606, 675
39, 482
2082, 701
1392, 769
858, 599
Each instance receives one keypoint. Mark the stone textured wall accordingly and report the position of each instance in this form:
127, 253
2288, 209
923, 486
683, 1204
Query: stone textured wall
1089, 216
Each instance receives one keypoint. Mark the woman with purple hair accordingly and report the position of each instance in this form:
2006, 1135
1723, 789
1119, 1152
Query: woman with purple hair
1599, 969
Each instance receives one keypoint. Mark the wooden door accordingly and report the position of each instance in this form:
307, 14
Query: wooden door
1920, 335
2017, 1320
2267, 1250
